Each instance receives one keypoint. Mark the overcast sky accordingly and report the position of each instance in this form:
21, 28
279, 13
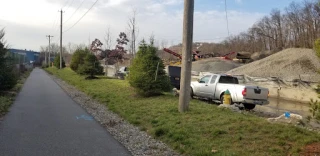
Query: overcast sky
27, 22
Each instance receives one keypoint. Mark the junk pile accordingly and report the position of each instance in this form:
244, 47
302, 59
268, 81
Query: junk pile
287, 117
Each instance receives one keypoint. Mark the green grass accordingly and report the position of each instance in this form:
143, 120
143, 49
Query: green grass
7, 97
199, 131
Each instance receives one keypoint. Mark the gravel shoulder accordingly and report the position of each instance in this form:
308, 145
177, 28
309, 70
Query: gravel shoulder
136, 141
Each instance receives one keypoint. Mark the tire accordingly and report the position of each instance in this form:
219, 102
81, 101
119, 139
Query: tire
249, 106
191, 94
221, 98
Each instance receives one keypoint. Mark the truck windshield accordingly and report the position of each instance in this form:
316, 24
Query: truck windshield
228, 79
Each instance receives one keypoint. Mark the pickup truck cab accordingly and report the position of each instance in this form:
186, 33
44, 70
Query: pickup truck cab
213, 86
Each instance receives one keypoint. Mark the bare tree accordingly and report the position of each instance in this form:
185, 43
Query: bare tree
108, 39
132, 24
297, 26
107, 44
71, 48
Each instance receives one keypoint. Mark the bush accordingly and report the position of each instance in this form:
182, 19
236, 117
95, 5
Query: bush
91, 66
56, 62
78, 58
143, 75
8, 78
315, 109
44, 65
317, 47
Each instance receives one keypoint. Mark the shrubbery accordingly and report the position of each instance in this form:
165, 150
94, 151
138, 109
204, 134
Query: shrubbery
78, 58
315, 104
8, 78
44, 65
56, 62
317, 47
91, 66
144, 76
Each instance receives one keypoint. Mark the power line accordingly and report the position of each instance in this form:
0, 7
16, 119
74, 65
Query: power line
74, 12
70, 5
82, 16
65, 4
225, 5
54, 23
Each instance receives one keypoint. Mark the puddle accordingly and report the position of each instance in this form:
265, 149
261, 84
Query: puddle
278, 107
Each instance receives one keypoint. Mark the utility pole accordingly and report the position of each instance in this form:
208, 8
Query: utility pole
49, 36
186, 64
45, 57
61, 40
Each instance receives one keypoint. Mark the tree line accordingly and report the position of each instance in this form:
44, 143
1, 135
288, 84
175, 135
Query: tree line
297, 26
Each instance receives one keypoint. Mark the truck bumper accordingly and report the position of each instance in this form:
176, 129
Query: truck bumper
256, 102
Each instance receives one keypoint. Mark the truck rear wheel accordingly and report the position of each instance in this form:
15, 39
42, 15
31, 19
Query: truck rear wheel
249, 106
221, 99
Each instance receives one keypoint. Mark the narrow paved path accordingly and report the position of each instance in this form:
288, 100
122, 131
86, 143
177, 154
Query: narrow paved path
45, 121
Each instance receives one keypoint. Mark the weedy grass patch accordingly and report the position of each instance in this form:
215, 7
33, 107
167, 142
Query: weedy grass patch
204, 130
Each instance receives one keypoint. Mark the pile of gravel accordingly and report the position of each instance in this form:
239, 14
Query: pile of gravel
137, 142
214, 65
289, 64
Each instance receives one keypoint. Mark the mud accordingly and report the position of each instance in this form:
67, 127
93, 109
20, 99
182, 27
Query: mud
280, 106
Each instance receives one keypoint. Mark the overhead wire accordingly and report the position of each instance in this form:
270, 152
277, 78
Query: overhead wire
74, 12
65, 4
82, 16
69, 5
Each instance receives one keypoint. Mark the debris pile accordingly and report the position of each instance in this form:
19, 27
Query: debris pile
290, 64
214, 65
287, 118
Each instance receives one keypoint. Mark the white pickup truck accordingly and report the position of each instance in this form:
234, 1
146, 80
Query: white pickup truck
213, 86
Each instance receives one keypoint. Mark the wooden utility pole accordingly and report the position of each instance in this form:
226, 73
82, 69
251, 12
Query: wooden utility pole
45, 57
186, 64
49, 36
61, 40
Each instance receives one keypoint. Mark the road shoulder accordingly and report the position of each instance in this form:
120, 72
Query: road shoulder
135, 140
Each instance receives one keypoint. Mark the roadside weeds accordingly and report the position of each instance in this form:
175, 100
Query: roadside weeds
7, 97
136, 141
204, 130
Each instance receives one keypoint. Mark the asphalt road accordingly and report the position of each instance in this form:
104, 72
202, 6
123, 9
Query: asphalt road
45, 121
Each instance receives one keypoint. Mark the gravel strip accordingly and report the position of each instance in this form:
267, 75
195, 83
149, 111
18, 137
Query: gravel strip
136, 141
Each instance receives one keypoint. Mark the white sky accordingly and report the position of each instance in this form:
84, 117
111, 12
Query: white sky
27, 22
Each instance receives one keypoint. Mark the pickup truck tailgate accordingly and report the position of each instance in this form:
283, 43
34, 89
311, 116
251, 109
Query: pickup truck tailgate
256, 93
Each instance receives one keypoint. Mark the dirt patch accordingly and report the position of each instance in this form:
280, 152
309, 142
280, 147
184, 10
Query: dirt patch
215, 65
289, 64
311, 150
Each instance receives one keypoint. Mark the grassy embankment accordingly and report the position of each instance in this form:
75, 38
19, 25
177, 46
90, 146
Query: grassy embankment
7, 97
203, 129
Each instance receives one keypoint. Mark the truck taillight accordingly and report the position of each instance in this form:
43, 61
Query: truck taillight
244, 92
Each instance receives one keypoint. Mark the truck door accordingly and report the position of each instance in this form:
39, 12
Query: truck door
209, 88
203, 83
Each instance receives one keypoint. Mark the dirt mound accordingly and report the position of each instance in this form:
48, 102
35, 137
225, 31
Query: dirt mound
289, 64
215, 65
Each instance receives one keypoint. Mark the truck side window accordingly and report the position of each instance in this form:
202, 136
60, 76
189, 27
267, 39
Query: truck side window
206, 79
228, 79
213, 80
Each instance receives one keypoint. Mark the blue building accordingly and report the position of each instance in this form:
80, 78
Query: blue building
29, 56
